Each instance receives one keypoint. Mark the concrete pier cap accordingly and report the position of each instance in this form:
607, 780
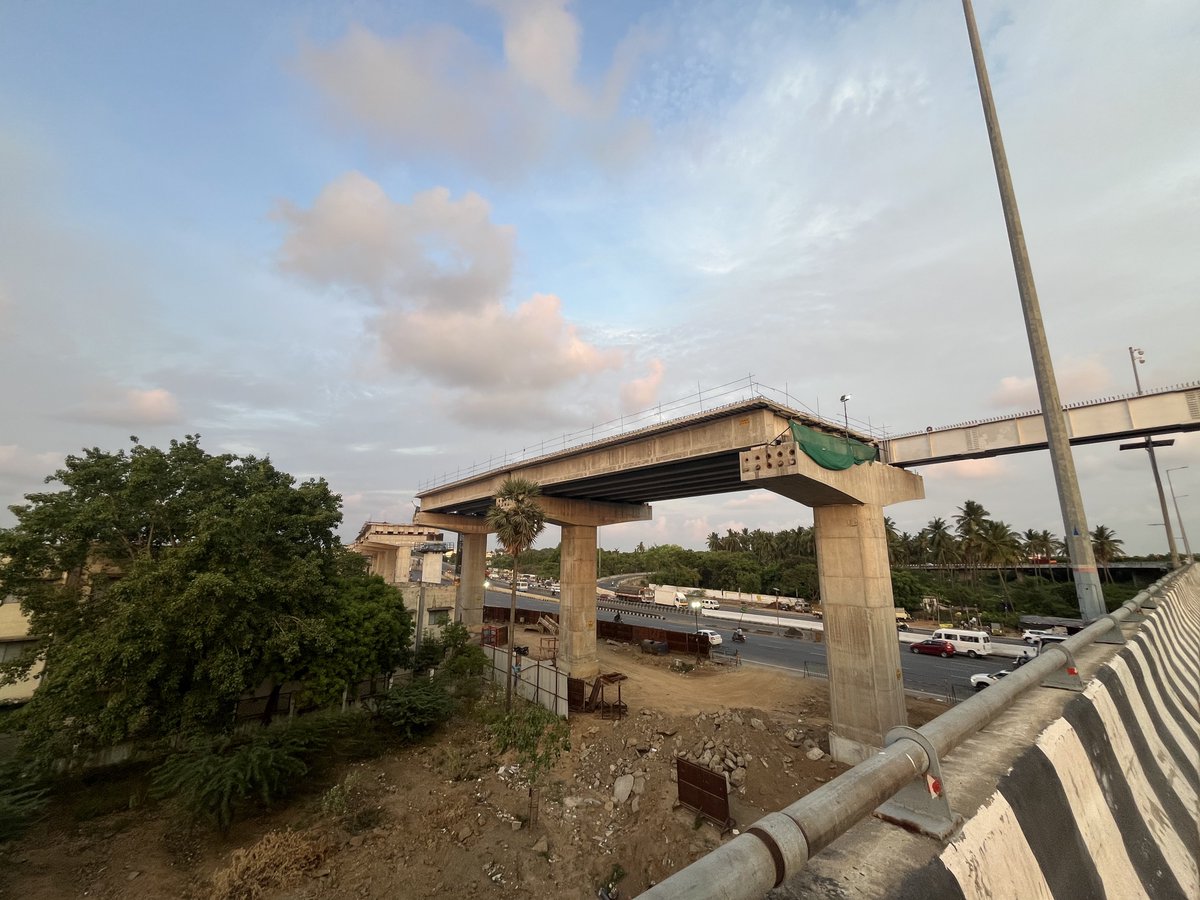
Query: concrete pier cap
866, 685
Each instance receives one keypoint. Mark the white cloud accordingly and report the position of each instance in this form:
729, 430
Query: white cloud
1077, 380
641, 393
436, 93
132, 407
437, 271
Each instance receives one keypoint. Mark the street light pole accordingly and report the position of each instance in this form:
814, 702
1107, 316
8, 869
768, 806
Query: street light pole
1137, 357
845, 398
1187, 548
1088, 591
695, 605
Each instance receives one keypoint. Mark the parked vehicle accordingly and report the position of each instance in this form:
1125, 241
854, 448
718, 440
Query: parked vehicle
932, 647
714, 639
972, 643
985, 679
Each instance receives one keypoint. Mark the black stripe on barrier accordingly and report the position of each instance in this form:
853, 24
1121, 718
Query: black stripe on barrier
1156, 876
1176, 812
1155, 639
1162, 732
930, 881
1182, 674
1038, 800
1166, 695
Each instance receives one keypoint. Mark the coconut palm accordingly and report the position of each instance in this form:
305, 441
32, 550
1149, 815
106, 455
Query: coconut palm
1000, 546
517, 519
969, 524
1106, 546
943, 549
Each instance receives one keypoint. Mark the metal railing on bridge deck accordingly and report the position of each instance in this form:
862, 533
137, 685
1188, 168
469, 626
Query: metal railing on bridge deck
703, 402
780, 844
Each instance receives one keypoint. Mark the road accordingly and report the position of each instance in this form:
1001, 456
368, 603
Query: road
768, 646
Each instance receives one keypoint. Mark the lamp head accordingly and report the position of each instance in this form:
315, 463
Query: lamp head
845, 398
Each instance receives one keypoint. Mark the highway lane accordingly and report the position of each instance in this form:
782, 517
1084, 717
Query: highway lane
764, 645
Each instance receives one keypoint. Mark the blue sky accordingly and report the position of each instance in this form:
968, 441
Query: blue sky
379, 241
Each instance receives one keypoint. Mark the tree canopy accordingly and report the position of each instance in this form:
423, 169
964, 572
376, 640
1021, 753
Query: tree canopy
162, 585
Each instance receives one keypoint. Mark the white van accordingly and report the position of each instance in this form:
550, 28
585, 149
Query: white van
972, 643
710, 603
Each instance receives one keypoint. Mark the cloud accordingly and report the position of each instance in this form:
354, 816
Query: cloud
1077, 380
641, 393
155, 406
436, 93
436, 251
986, 469
437, 271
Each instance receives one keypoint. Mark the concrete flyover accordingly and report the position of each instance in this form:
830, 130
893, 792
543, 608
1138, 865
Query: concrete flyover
741, 446
1155, 412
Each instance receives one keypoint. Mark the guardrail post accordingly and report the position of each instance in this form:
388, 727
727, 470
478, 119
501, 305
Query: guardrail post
920, 805
1114, 635
1067, 677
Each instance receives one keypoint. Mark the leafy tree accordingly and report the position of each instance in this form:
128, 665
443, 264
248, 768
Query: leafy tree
969, 524
517, 519
161, 585
1000, 546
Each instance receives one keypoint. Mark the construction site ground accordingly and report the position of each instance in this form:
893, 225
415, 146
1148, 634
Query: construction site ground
448, 819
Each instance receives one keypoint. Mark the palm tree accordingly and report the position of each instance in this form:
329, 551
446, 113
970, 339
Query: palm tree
517, 519
1106, 546
1000, 546
942, 547
969, 525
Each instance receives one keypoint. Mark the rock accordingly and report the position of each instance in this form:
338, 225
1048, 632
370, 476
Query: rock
542, 845
356, 841
133, 875
465, 832
639, 785
814, 754
635, 804
791, 735
758, 725
667, 732
516, 824
622, 788
738, 777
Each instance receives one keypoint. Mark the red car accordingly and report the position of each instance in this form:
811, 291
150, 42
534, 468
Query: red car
943, 649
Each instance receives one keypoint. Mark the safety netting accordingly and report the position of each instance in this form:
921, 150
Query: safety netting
832, 451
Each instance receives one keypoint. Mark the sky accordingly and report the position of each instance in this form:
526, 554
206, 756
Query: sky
383, 241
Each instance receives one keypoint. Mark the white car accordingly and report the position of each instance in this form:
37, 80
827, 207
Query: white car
985, 679
1033, 635
713, 638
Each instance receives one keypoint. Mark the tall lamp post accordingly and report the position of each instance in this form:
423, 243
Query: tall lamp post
695, 605
1187, 548
1137, 357
1088, 591
845, 398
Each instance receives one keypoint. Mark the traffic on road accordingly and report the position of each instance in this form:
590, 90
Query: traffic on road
767, 645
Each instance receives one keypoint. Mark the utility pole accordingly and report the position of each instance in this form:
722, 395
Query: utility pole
1138, 356
1187, 548
1079, 544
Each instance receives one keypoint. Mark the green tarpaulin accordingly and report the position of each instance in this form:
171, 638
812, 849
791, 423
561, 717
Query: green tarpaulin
831, 451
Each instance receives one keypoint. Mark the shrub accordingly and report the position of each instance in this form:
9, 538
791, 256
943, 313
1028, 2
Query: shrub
212, 779
21, 801
417, 708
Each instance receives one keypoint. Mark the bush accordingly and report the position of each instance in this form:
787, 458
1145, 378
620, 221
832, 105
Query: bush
417, 708
213, 779
21, 801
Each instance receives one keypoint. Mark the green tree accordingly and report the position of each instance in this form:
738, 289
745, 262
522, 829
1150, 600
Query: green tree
999, 546
942, 546
1106, 547
969, 524
161, 585
517, 519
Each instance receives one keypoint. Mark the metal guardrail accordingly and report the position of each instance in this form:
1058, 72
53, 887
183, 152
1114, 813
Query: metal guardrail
780, 844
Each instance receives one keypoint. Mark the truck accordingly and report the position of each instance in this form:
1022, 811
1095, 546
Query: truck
902, 618
635, 595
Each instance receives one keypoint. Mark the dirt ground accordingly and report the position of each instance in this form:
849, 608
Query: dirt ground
446, 819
